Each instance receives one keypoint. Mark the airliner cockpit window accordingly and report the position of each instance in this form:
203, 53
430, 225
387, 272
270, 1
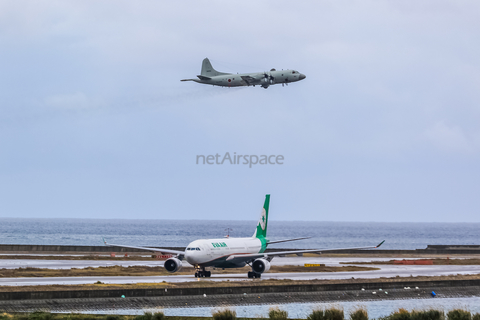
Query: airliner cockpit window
198, 249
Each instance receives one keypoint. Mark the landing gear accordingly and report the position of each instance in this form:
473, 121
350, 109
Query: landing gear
252, 274
201, 273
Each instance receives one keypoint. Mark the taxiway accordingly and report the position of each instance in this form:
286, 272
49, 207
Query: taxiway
387, 271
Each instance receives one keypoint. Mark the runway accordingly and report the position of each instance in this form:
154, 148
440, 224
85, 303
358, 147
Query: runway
387, 271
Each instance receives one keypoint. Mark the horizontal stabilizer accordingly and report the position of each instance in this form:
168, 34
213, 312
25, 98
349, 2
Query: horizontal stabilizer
187, 80
204, 78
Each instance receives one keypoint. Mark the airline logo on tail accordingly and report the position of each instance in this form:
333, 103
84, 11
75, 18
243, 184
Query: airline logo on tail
261, 231
263, 219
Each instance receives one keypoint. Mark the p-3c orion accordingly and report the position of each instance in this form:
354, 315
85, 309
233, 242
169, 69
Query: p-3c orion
208, 75
232, 252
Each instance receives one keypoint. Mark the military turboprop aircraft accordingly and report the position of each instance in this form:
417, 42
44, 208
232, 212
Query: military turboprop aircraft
208, 75
232, 252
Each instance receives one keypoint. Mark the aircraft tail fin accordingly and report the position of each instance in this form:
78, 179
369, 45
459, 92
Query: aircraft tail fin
261, 230
208, 70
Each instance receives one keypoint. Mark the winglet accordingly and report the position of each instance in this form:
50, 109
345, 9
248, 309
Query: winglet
380, 244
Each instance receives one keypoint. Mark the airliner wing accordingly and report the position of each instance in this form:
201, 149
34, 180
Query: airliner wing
175, 252
253, 256
286, 240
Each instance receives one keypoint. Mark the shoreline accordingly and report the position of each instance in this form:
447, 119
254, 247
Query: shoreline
223, 300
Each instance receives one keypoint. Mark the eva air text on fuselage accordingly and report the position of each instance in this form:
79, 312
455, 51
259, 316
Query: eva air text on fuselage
240, 159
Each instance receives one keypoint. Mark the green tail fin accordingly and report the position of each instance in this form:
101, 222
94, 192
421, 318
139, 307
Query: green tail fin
261, 231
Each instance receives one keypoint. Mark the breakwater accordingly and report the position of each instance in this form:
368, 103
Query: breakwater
222, 300
235, 290
70, 249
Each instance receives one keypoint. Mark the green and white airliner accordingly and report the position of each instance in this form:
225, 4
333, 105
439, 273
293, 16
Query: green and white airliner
232, 252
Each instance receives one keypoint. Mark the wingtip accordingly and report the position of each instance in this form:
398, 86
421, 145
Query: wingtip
380, 244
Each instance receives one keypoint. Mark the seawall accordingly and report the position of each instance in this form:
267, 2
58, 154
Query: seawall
74, 249
257, 289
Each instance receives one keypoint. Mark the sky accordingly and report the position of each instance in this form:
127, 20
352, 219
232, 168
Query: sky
95, 123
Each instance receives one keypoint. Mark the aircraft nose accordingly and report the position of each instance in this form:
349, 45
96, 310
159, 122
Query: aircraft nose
190, 258
301, 76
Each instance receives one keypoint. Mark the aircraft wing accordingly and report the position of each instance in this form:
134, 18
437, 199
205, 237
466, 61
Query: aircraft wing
175, 252
286, 240
250, 80
252, 256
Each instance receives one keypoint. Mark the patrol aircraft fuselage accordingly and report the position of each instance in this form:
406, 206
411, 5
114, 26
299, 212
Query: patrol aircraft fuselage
209, 75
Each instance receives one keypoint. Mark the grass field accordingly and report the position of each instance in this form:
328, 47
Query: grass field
445, 261
205, 283
331, 313
154, 271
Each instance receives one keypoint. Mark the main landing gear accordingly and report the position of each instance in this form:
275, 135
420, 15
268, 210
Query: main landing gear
253, 274
201, 273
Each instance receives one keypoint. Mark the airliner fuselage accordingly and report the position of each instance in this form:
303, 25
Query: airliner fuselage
214, 252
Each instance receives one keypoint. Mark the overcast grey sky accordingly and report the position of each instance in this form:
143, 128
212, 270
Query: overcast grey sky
94, 122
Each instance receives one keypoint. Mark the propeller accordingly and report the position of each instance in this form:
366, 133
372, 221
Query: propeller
269, 77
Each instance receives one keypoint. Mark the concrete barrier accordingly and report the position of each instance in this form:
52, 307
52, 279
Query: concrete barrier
66, 249
114, 293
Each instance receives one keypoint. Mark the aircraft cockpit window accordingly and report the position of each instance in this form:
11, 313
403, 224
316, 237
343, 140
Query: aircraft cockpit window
293, 71
198, 249
189, 248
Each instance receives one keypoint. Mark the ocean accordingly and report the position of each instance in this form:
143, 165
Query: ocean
178, 233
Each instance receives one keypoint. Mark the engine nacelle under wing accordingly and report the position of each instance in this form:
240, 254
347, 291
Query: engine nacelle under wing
173, 265
261, 265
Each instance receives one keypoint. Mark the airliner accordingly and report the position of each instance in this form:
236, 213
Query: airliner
232, 252
209, 75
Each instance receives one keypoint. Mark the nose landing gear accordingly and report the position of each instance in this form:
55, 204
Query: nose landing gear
202, 273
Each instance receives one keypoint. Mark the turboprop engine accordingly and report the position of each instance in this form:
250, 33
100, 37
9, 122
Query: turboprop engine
268, 79
172, 265
260, 265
